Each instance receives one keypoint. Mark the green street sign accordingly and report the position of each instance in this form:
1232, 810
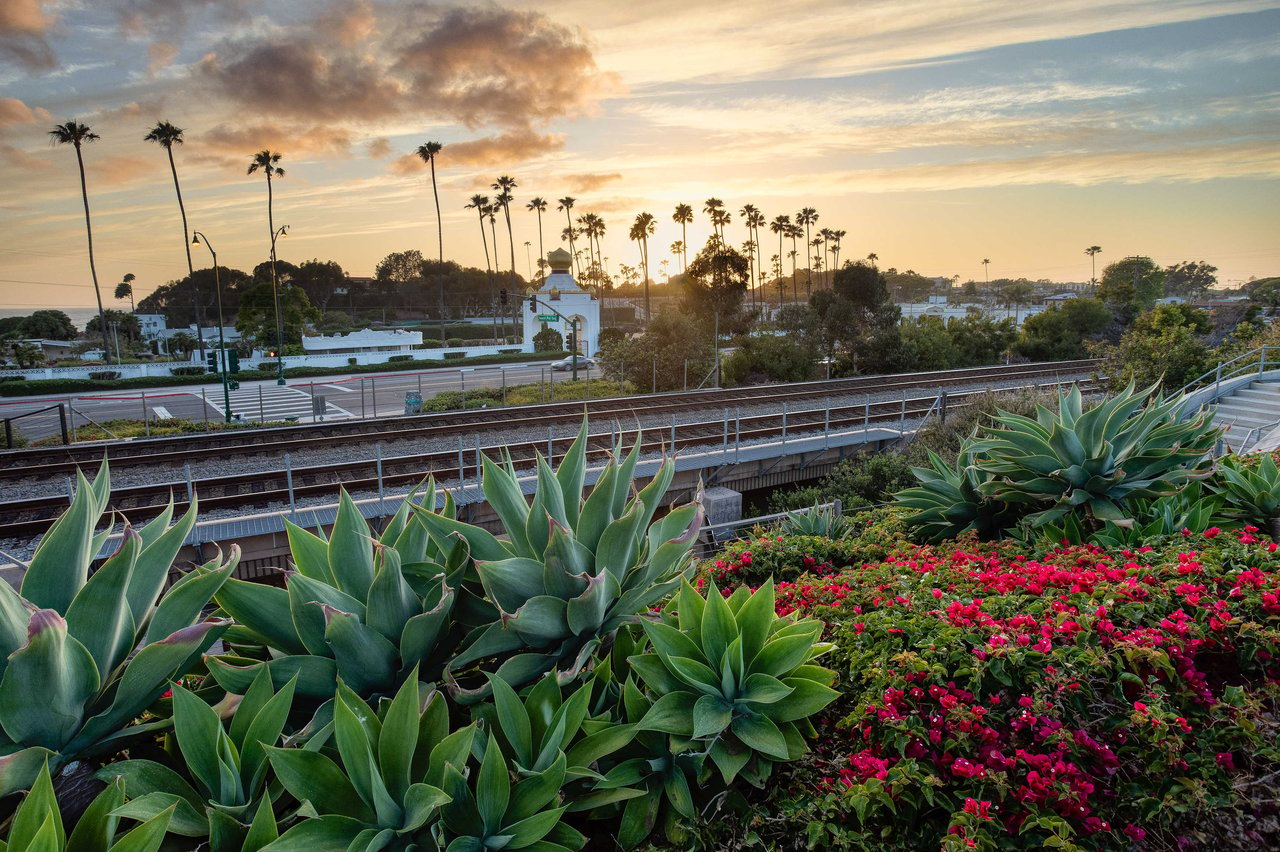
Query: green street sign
547, 317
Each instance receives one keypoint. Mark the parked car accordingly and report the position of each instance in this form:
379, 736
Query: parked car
584, 363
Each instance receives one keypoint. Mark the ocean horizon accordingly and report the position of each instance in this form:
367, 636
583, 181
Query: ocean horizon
79, 316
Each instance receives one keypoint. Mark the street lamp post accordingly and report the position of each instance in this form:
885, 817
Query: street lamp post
534, 301
222, 344
282, 231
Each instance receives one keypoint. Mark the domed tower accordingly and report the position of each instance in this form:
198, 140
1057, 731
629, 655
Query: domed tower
560, 294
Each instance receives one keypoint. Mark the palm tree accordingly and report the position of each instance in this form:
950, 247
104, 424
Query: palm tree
266, 161
986, 265
873, 257
539, 206
124, 290
807, 216
643, 228
825, 236
480, 203
749, 212
794, 232
74, 133
683, 216
781, 225
168, 135
836, 237
1092, 251
427, 151
566, 204
504, 185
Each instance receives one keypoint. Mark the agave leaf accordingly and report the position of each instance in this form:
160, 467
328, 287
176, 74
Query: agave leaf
316, 676
307, 600
585, 613
483, 545
566, 563
199, 734
503, 493
366, 660
59, 669
60, 565
331, 831
511, 582
100, 617
149, 673
493, 788
185, 600
534, 793
351, 549
38, 807
391, 602
760, 734
399, 737
264, 730
620, 542
160, 547
670, 714
309, 553
718, 627
540, 621
264, 610
571, 474
312, 777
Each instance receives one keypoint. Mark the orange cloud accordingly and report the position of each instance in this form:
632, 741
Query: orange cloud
379, 148
589, 182
160, 55
291, 140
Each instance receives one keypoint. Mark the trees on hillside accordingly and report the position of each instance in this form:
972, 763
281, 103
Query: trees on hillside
1190, 280
1131, 286
1062, 332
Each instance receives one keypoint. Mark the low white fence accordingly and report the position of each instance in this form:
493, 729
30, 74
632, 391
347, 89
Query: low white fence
341, 359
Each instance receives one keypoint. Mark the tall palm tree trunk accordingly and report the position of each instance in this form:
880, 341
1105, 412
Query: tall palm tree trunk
511, 243
439, 222
684, 247
186, 244
275, 281
542, 255
644, 255
569, 221
93, 269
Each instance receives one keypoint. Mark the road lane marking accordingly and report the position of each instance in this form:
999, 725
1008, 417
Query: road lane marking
340, 388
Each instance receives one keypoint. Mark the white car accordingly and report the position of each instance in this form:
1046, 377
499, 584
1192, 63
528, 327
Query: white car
584, 363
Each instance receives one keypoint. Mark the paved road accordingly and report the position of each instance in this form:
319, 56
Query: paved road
309, 400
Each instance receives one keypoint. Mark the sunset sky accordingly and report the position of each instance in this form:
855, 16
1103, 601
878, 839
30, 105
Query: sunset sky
934, 132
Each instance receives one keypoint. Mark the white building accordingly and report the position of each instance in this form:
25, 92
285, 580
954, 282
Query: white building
560, 300
364, 340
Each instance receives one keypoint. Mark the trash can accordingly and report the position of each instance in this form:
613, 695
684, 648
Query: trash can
413, 403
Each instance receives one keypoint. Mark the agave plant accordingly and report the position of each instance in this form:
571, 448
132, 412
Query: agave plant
1189, 509
655, 783
486, 811
571, 571
384, 789
1249, 487
949, 501
821, 521
364, 609
734, 680
1095, 461
37, 824
82, 656
226, 802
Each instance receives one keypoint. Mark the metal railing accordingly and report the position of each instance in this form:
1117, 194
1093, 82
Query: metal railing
1255, 361
1254, 435
711, 537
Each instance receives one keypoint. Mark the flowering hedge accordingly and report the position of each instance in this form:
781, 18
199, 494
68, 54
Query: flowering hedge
999, 698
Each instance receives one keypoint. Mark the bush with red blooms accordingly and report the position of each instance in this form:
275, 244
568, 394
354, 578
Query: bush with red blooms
1000, 696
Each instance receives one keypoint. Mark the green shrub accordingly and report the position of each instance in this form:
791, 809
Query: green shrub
859, 481
548, 340
104, 375
1249, 488
397, 358
189, 371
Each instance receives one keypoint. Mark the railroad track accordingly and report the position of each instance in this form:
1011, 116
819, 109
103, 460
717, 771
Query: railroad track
51, 463
28, 518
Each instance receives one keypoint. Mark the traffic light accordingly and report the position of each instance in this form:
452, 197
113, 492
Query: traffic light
533, 305
233, 361
571, 342
502, 295
211, 359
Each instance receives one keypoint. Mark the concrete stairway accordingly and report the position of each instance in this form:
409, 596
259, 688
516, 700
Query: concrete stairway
1246, 409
